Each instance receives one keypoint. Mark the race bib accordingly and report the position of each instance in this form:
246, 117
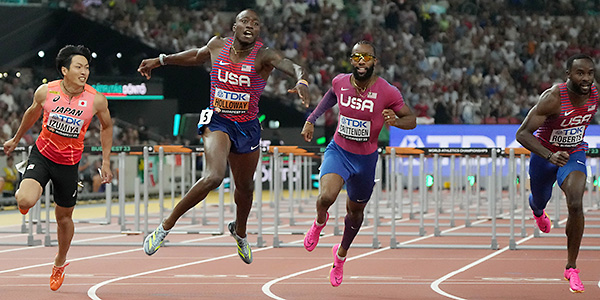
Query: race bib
354, 129
229, 102
66, 126
567, 137
205, 117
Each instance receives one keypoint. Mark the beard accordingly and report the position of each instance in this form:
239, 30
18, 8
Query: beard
365, 76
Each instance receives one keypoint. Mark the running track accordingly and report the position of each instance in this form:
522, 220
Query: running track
191, 272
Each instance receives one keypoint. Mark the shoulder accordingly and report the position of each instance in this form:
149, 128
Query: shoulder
216, 42
42, 90
340, 78
551, 94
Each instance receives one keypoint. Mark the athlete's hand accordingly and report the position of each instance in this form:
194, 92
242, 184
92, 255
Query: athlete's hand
147, 65
303, 93
389, 116
307, 131
560, 158
106, 173
10, 145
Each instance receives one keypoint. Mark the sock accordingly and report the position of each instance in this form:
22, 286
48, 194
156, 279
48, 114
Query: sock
342, 258
319, 224
350, 231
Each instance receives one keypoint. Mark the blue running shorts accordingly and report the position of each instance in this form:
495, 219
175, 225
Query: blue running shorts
543, 174
244, 136
358, 171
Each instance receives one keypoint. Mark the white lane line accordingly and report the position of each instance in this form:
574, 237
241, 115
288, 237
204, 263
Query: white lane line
435, 285
93, 289
266, 288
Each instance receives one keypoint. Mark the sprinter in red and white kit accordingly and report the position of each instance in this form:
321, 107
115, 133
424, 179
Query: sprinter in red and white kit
68, 106
229, 127
553, 131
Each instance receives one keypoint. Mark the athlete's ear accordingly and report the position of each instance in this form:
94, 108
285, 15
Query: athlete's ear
64, 70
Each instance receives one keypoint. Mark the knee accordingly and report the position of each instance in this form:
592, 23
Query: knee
212, 182
25, 200
64, 220
245, 188
575, 207
326, 199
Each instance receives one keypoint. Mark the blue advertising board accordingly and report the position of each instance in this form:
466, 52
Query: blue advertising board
469, 136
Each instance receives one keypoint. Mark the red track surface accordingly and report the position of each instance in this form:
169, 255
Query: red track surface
215, 272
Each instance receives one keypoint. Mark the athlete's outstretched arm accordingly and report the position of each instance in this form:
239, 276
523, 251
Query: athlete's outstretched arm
106, 133
548, 105
328, 101
31, 115
191, 57
274, 59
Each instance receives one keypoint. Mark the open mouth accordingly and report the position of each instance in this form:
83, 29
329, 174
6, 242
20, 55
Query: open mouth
361, 71
248, 34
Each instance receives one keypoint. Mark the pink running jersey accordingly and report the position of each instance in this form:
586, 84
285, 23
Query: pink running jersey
64, 124
235, 89
566, 132
360, 119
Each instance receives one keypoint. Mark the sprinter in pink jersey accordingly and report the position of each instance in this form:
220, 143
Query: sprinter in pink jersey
229, 127
68, 106
553, 131
365, 101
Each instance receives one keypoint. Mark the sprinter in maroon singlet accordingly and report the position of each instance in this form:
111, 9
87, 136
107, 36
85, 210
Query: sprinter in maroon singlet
68, 106
229, 127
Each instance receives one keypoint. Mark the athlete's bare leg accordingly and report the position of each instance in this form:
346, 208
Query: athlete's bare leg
331, 185
574, 187
28, 194
216, 149
64, 232
243, 167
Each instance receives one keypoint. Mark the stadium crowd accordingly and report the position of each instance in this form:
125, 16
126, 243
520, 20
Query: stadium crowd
469, 62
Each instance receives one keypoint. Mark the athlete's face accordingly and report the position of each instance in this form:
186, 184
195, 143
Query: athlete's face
247, 26
581, 76
363, 61
78, 72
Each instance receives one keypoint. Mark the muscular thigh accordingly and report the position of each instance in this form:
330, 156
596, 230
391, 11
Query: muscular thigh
216, 149
243, 167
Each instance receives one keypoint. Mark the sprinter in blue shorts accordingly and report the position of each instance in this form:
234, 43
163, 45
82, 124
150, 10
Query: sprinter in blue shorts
366, 102
553, 131
230, 129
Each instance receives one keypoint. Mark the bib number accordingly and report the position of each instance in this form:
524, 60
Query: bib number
205, 117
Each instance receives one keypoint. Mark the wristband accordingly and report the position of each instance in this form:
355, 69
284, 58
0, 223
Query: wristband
549, 155
302, 82
310, 123
161, 59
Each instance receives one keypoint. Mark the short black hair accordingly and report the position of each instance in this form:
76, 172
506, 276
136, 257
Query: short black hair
577, 56
365, 42
63, 59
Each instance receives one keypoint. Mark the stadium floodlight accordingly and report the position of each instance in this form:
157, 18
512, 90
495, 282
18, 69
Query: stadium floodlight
41, 53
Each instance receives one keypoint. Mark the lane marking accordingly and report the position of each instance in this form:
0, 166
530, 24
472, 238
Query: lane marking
435, 285
266, 288
93, 289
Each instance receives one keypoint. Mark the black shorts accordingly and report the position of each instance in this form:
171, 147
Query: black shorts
64, 177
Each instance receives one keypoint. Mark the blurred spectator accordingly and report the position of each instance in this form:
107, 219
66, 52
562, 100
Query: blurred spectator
11, 177
8, 98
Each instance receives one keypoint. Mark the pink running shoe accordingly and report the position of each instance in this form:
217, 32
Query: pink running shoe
311, 239
336, 274
575, 284
543, 222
